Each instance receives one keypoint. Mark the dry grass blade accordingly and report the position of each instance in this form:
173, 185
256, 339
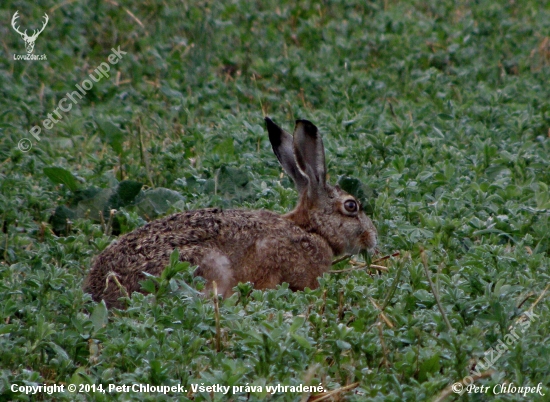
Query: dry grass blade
540, 297
52, 9
113, 276
217, 316
396, 278
432, 287
339, 260
527, 297
144, 154
310, 373
386, 257
131, 14
382, 315
332, 394
385, 360
347, 257
523, 316
363, 266
360, 266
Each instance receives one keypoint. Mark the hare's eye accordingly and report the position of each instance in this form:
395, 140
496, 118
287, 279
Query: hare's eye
350, 206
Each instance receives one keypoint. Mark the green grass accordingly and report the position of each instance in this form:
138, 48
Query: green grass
440, 108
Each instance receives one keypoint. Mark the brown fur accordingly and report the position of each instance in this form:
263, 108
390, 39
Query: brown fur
232, 246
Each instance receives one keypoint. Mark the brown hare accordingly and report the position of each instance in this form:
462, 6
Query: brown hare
261, 247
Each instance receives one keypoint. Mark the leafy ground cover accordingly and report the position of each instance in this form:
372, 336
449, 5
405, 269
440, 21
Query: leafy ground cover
438, 112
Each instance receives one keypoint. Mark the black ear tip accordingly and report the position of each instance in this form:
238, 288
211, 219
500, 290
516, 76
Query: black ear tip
274, 132
308, 126
271, 126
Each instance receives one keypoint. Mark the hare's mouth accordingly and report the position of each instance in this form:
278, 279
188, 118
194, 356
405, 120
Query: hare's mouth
368, 240
353, 249
365, 242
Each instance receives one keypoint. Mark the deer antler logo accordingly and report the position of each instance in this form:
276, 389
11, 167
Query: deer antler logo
29, 40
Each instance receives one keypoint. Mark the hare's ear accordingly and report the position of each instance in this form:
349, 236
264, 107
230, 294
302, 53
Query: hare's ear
281, 142
310, 155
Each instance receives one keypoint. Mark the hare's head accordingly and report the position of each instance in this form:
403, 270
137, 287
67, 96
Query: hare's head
323, 209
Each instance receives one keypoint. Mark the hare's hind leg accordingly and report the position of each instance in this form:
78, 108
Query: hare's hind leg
216, 266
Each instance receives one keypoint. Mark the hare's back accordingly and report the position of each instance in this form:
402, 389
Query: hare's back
195, 233
148, 248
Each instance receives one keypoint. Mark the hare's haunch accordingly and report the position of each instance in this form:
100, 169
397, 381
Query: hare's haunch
232, 246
